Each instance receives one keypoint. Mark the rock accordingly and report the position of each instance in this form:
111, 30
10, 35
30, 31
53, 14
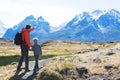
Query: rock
108, 67
118, 78
85, 61
78, 53
1, 75
96, 49
82, 70
97, 60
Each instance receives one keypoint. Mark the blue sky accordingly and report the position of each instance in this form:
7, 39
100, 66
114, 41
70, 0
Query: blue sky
54, 11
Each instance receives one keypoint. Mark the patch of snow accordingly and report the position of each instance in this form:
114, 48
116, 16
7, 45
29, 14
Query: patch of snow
102, 29
96, 14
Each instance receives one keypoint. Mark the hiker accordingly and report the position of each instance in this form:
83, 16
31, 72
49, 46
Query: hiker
36, 48
25, 45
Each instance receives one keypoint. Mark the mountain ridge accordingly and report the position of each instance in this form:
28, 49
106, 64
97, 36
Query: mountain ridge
92, 26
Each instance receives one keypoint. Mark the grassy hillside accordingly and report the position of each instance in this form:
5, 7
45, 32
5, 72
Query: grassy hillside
72, 55
93, 56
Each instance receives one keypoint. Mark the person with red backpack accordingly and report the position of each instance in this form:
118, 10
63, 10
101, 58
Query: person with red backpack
25, 45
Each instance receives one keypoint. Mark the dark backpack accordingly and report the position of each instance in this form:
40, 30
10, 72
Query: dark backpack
18, 38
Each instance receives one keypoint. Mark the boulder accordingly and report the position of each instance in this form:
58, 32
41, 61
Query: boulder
82, 70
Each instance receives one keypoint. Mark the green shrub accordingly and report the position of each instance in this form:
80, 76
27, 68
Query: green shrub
110, 53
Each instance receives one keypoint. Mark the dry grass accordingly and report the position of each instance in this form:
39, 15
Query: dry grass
59, 64
69, 47
9, 54
70, 63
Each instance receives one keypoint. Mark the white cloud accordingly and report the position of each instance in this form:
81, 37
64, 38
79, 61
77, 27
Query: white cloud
54, 11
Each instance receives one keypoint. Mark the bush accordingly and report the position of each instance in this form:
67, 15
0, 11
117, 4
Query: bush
110, 53
49, 75
64, 71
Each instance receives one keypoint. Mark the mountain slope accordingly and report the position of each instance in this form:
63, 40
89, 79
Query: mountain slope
95, 26
42, 27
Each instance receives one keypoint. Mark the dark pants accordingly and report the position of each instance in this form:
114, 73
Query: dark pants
24, 55
36, 62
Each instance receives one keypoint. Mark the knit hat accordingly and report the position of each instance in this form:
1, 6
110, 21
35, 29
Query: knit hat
35, 38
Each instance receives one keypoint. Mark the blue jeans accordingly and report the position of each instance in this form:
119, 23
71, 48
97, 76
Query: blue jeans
24, 55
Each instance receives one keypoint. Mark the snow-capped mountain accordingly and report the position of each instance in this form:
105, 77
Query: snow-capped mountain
42, 27
2, 29
92, 26
89, 26
54, 29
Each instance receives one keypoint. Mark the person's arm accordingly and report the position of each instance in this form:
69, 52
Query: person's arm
33, 47
27, 39
31, 29
40, 49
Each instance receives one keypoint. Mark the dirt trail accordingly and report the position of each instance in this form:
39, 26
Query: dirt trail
31, 74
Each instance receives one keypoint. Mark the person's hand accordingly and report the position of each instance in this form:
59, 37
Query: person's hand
30, 48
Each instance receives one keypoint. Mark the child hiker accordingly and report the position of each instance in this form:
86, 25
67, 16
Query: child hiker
36, 48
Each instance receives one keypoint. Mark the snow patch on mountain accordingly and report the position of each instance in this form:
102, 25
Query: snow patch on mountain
77, 18
54, 29
114, 12
102, 29
97, 13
